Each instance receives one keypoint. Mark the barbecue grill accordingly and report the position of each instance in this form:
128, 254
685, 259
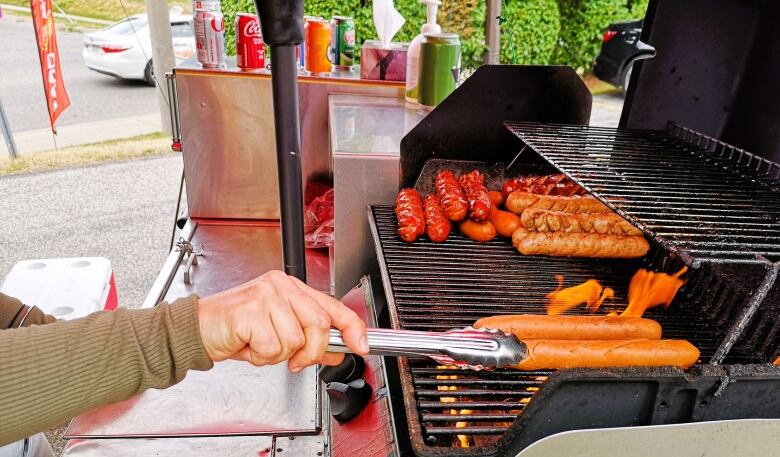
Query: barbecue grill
702, 202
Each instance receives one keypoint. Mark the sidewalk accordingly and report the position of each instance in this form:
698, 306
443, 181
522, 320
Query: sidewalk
89, 132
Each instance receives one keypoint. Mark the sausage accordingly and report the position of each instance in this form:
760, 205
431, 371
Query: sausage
505, 222
558, 244
557, 184
542, 220
517, 202
496, 199
478, 231
539, 326
409, 211
452, 197
437, 226
558, 354
473, 184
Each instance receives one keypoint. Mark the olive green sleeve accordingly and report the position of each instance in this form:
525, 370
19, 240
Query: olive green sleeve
51, 373
13, 313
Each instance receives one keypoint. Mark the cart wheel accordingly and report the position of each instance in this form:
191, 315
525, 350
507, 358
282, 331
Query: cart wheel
149, 73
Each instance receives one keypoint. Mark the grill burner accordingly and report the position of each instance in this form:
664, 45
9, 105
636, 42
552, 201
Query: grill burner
698, 196
442, 286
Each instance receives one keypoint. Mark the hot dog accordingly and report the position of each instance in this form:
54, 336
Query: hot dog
437, 226
539, 326
453, 199
558, 244
541, 220
505, 222
478, 231
517, 202
558, 354
409, 211
496, 199
473, 184
545, 185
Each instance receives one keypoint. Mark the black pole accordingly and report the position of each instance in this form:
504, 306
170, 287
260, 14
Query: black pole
282, 26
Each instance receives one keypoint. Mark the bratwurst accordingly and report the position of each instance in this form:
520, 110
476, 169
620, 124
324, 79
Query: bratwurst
540, 326
596, 245
473, 184
409, 211
558, 354
453, 199
517, 202
437, 226
542, 220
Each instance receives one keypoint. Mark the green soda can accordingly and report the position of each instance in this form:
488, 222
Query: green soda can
343, 41
439, 67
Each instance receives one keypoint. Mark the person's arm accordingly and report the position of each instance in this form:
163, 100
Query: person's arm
51, 373
13, 313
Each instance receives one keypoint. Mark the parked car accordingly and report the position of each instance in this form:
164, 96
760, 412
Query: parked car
124, 49
620, 49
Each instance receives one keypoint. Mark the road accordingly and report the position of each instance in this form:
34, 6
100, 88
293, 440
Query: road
93, 96
123, 211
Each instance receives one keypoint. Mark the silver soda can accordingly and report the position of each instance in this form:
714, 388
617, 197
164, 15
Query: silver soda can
210, 38
211, 5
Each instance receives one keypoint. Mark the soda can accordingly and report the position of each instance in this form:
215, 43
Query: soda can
210, 38
318, 40
342, 41
210, 5
250, 49
439, 67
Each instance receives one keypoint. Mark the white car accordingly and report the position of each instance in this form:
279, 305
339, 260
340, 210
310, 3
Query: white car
124, 49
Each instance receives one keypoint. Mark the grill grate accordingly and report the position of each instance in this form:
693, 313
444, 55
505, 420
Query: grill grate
441, 286
697, 196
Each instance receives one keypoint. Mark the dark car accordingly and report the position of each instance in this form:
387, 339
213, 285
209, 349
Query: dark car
620, 48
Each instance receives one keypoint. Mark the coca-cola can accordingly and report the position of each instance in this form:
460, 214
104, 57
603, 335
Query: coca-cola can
210, 38
250, 49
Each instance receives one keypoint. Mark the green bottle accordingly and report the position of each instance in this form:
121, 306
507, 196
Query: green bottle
439, 67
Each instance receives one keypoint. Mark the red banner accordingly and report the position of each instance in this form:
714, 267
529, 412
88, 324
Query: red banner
56, 97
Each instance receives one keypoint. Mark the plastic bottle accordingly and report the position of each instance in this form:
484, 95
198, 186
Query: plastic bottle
413, 54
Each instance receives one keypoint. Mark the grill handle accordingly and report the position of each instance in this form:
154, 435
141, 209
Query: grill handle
468, 347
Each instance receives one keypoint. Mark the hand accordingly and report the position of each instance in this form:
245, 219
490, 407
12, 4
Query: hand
277, 317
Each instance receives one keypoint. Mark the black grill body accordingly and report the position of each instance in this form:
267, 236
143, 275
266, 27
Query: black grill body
702, 203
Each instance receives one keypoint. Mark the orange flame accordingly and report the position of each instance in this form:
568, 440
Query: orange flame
649, 289
462, 439
591, 293
777, 361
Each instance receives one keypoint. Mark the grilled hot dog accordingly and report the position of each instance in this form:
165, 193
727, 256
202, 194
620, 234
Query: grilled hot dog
453, 199
541, 220
478, 231
505, 222
479, 199
517, 202
558, 354
597, 245
437, 226
539, 326
409, 211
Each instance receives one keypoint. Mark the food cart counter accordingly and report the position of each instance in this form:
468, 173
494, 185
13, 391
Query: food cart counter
233, 235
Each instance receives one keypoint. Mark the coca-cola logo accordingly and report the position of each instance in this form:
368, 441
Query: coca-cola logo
218, 24
252, 28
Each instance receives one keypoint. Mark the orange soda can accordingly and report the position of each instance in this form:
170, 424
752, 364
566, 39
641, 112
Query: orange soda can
318, 33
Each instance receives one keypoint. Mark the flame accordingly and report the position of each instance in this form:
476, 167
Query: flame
777, 361
649, 289
462, 439
591, 293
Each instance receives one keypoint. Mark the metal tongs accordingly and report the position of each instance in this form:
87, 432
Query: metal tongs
467, 348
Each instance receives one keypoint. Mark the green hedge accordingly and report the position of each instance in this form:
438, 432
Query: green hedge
533, 31
583, 23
